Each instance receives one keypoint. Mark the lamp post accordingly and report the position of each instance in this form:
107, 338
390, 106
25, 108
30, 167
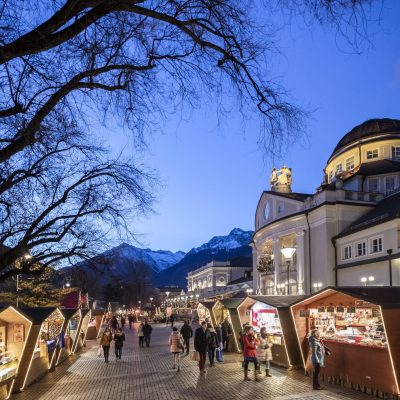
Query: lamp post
288, 253
390, 251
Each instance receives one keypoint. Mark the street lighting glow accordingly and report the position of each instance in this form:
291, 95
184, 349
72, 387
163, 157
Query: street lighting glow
288, 251
371, 278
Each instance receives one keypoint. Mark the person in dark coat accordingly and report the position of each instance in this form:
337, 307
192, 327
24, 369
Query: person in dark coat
187, 333
212, 344
123, 320
201, 344
119, 339
147, 329
172, 319
114, 323
226, 333
130, 320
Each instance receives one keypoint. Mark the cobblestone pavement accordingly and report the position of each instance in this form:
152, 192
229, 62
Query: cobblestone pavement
146, 374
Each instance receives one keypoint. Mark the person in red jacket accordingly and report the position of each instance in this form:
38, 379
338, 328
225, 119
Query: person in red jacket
250, 344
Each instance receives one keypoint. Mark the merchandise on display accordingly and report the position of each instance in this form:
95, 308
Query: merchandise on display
360, 324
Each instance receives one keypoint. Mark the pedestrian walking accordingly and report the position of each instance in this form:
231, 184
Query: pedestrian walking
114, 323
187, 333
250, 344
119, 338
264, 351
226, 330
201, 344
212, 341
176, 346
141, 334
317, 356
218, 331
130, 320
172, 319
147, 329
105, 343
123, 321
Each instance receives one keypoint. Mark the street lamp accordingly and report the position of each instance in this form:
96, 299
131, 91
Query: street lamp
364, 280
288, 253
249, 291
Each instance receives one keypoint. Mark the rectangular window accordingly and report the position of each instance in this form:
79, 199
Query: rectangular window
350, 164
390, 183
361, 249
339, 169
373, 185
396, 152
346, 252
376, 245
371, 154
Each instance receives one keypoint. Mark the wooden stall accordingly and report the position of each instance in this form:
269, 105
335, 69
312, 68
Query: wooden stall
41, 344
82, 330
361, 328
14, 330
273, 312
96, 321
204, 312
227, 310
72, 317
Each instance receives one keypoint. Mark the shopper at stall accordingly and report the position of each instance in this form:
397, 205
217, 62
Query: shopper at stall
147, 329
226, 333
141, 334
250, 344
212, 344
176, 346
119, 338
201, 344
317, 354
187, 333
105, 343
264, 351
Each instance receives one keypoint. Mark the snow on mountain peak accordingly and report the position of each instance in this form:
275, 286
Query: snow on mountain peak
236, 238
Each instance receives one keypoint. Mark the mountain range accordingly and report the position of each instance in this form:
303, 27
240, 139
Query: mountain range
162, 267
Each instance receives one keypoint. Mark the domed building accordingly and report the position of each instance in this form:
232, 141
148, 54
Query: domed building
344, 234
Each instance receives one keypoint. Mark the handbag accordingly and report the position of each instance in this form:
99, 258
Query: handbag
309, 365
99, 352
195, 356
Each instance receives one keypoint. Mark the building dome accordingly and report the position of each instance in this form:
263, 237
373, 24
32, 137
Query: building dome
372, 127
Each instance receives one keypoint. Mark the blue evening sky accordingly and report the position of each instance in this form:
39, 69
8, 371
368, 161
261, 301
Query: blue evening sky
214, 175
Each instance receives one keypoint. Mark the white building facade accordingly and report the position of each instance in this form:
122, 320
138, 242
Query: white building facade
347, 233
214, 277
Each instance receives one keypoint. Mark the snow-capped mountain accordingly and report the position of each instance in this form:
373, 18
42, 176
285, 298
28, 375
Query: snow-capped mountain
156, 259
236, 238
219, 248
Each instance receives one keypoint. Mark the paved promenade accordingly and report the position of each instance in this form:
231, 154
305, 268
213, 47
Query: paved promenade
146, 374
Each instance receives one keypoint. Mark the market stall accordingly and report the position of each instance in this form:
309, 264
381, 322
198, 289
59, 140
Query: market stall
204, 312
96, 321
72, 318
82, 330
14, 329
361, 328
273, 312
226, 312
41, 345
